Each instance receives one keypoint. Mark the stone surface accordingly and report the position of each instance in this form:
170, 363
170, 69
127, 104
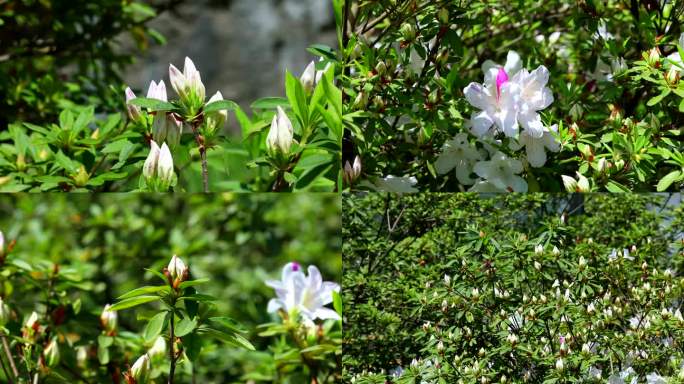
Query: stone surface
241, 47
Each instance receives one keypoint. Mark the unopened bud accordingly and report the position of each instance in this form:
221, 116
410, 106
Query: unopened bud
108, 319
177, 269
352, 172
4, 313
51, 354
408, 32
140, 371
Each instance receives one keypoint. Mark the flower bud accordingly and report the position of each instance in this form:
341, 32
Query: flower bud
280, 136
560, 366
408, 32
653, 57
447, 279
586, 349
602, 165
380, 68
134, 112
4, 313
177, 269
538, 249
51, 354
150, 165
158, 348
140, 371
108, 319
582, 263
188, 85
361, 100
158, 167
512, 338
32, 321
672, 75
440, 347
555, 251
215, 120
308, 78
352, 172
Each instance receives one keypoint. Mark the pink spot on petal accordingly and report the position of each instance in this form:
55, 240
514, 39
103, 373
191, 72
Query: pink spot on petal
501, 79
295, 266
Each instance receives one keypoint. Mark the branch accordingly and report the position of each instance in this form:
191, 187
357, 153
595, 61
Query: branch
8, 352
203, 155
172, 339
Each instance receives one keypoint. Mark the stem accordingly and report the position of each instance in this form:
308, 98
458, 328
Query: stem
8, 352
172, 338
4, 369
203, 155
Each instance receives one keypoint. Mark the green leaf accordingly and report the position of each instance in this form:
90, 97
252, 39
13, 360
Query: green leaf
666, 181
220, 105
297, 96
152, 104
270, 103
192, 283
185, 326
229, 323
144, 291
657, 99
232, 339
337, 302
132, 302
155, 326
322, 51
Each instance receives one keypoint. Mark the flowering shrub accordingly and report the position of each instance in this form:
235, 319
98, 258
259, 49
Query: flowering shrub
513, 289
179, 143
574, 96
100, 303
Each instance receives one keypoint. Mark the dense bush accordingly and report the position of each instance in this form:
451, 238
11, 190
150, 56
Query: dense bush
513, 288
66, 258
588, 90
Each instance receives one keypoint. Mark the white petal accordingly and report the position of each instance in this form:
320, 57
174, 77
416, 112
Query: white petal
518, 184
550, 140
463, 171
540, 75
274, 305
480, 123
507, 122
513, 63
478, 96
446, 161
531, 121
325, 313
189, 68
515, 165
536, 155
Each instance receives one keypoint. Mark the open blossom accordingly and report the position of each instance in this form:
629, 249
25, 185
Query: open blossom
502, 173
298, 293
510, 97
460, 154
534, 146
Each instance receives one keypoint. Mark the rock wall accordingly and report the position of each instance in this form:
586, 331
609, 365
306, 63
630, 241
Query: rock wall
241, 47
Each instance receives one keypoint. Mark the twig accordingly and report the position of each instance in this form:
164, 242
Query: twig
203, 155
4, 369
8, 352
172, 354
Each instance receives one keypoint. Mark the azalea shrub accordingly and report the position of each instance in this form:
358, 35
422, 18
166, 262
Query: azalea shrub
513, 288
105, 289
150, 139
513, 96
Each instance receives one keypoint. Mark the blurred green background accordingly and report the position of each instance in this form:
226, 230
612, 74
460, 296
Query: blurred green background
106, 241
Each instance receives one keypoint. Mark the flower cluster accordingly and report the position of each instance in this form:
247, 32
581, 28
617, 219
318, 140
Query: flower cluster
508, 103
299, 294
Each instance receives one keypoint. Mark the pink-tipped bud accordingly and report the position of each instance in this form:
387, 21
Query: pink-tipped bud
501, 79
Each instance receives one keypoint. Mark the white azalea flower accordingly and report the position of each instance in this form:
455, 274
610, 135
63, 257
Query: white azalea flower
602, 32
534, 96
502, 172
497, 101
534, 146
654, 378
460, 154
303, 294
